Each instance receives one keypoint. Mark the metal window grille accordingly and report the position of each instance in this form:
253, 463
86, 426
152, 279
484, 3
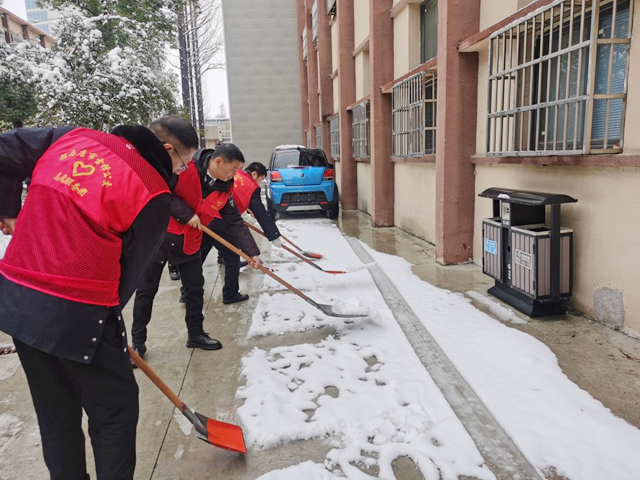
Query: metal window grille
430, 113
558, 80
361, 130
414, 116
334, 128
408, 115
304, 44
318, 129
314, 20
308, 135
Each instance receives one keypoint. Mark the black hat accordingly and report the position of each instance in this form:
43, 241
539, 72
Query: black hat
149, 147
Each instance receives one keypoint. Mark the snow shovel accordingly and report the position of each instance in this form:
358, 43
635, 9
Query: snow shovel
315, 256
306, 260
326, 309
214, 432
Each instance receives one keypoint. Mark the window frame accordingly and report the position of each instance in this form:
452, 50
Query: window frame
425, 39
318, 135
314, 20
304, 43
360, 117
410, 126
537, 121
334, 129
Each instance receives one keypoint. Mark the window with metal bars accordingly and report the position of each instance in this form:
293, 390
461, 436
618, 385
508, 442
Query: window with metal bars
414, 107
318, 130
304, 44
430, 113
334, 128
360, 125
314, 20
331, 7
558, 80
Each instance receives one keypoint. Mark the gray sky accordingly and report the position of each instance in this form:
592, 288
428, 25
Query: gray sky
215, 84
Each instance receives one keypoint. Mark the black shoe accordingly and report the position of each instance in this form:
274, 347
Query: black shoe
220, 261
237, 298
204, 342
243, 263
140, 349
174, 273
182, 298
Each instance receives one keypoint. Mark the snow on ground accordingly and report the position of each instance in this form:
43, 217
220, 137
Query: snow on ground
503, 313
4, 243
362, 387
365, 389
553, 422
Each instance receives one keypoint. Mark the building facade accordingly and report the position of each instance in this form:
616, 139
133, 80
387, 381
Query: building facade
43, 18
262, 74
423, 105
15, 30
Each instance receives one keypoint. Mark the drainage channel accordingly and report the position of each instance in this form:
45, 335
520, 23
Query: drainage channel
501, 454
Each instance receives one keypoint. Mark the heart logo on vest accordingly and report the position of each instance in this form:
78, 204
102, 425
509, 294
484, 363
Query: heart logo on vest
80, 169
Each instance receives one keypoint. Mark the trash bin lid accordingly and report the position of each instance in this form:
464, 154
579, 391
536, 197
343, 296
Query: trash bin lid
526, 198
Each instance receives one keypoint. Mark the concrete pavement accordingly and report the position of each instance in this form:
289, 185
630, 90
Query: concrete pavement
599, 360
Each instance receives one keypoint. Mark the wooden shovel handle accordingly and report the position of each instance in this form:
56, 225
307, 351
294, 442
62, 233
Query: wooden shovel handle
142, 365
292, 252
263, 269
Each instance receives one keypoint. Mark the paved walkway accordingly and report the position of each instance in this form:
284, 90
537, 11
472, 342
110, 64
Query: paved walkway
599, 360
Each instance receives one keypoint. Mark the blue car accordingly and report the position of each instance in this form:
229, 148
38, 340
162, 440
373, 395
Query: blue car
301, 179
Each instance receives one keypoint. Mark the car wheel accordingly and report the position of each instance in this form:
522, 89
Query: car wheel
334, 211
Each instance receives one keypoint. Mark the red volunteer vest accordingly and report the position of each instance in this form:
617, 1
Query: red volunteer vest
189, 190
86, 191
243, 187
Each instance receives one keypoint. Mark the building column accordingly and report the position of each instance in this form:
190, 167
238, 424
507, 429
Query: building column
381, 73
326, 84
312, 69
347, 82
304, 82
456, 134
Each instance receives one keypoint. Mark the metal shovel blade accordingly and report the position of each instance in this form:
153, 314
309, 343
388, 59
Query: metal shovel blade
328, 310
216, 433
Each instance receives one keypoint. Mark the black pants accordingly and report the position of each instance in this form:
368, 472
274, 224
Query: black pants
193, 283
231, 260
106, 390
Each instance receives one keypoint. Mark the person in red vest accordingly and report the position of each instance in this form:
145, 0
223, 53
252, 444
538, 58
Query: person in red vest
246, 195
194, 203
97, 208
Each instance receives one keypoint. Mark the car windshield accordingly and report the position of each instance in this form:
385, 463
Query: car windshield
302, 158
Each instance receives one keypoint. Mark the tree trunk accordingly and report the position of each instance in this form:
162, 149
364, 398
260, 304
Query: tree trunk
198, 78
190, 61
184, 61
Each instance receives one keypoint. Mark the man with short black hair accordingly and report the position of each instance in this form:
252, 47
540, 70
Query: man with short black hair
195, 199
208, 161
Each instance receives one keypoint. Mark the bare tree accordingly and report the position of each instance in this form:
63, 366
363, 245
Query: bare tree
200, 43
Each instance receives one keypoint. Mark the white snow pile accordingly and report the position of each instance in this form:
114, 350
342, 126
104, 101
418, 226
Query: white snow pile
364, 389
503, 313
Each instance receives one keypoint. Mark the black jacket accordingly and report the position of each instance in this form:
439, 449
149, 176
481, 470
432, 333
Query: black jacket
54, 325
263, 217
172, 246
